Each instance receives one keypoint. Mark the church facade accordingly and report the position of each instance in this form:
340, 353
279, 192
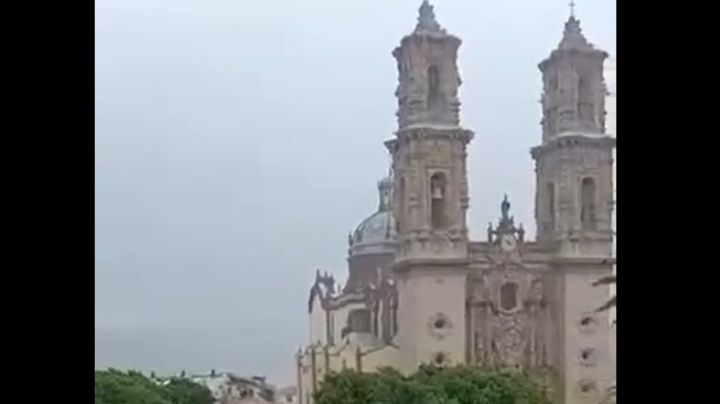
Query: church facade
419, 291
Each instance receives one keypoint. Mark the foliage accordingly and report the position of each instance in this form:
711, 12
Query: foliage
184, 391
117, 387
431, 385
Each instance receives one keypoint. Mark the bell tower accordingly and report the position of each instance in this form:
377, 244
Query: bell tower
574, 203
574, 190
430, 196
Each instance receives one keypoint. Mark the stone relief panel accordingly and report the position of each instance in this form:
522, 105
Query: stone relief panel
509, 339
509, 315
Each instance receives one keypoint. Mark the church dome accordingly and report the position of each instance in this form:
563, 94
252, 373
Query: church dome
377, 228
376, 233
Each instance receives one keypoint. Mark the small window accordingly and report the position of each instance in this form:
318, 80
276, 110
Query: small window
359, 321
433, 86
551, 205
587, 208
587, 322
587, 386
588, 357
508, 296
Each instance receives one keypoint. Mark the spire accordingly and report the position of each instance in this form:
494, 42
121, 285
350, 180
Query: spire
572, 35
426, 19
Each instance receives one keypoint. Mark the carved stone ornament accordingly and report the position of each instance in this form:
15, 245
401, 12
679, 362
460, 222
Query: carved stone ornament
588, 357
588, 323
510, 341
587, 387
439, 326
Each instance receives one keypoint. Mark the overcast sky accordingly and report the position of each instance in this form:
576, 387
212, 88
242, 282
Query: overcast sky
237, 143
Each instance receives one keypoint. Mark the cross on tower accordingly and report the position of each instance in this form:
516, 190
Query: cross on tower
572, 8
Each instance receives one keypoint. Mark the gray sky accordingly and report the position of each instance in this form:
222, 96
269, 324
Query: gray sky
237, 142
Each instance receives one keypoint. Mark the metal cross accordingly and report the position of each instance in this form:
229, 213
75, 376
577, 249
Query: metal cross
572, 8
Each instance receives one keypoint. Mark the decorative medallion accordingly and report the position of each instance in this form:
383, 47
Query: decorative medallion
588, 323
588, 357
587, 387
439, 326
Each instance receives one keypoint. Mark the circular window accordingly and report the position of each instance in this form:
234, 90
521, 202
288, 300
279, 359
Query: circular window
439, 326
587, 386
588, 357
587, 323
440, 358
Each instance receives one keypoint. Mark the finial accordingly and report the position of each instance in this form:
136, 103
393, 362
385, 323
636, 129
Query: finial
572, 34
426, 18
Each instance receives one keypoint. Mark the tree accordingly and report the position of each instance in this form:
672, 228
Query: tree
431, 385
117, 387
185, 391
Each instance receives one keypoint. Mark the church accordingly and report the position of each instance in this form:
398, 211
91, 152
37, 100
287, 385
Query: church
420, 291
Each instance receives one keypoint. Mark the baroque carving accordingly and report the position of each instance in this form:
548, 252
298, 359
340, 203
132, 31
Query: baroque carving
510, 340
514, 338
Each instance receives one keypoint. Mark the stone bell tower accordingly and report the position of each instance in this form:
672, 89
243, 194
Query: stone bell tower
574, 202
574, 190
430, 197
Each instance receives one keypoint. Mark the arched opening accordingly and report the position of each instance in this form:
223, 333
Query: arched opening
584, 100
550, 206
508, 296
399, 220
330, 328
587, 204
433, 86
438, 203
358, 321
375, 319
393, 317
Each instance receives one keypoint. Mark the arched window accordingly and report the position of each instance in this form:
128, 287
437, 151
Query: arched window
584, 99
551, 205
358, 321
587, 203
330, 327
433, 86
508, 296
438, 203
392, 309
375, 319
399, 220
